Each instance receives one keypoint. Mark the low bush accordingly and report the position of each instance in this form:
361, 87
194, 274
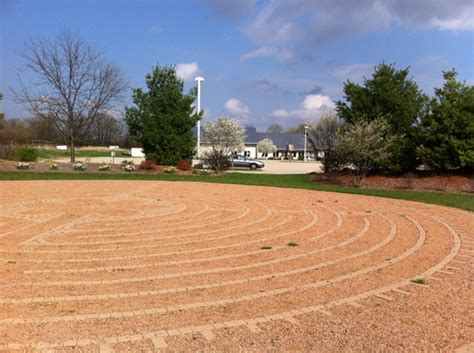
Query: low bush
217, 160
53, 166
80, 166
170, 170
128, 166
184, 165
104, 167
22, 165
26, 154
148, 164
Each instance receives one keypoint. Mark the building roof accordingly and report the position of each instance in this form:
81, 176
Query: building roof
280, 139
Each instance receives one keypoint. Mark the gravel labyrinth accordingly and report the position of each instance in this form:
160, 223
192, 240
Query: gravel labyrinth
142, 266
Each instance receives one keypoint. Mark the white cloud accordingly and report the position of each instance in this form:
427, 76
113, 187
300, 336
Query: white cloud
280, 55
235, 107
187, 71
280, 114
354, 72
317, 102
285, 29
312, 106
464, 23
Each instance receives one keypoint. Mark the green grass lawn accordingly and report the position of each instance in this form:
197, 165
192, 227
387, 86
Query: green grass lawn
55, 154
300, 181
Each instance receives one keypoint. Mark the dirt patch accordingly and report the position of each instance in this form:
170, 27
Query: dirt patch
148, 265
463, 183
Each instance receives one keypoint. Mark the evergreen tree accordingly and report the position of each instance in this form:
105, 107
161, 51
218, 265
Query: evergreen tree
447, 133
393, 96
163, 117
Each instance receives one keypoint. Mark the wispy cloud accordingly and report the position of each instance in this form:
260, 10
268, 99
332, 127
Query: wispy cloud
287, 29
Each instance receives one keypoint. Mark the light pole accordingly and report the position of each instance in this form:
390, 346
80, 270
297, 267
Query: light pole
305, 157
199, 79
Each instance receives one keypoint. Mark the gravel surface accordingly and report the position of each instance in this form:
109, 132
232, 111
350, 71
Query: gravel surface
142, 266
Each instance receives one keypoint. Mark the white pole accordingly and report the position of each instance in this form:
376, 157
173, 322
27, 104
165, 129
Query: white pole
305, 158
198, 80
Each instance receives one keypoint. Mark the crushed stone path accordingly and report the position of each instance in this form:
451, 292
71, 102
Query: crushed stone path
115, 266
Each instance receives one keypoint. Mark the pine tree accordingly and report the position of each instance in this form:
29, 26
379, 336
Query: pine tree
447, 132
163, 117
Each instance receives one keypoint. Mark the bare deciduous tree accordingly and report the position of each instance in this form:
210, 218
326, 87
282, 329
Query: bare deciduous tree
69, 81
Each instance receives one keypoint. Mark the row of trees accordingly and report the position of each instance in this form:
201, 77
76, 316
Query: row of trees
388, 123
104, 131
75, 89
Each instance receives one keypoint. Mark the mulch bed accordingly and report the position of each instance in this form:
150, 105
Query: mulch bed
44, 167
422, 181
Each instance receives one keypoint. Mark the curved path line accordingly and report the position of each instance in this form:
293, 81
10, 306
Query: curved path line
197, 287
286, 259
269, 213
312, 223
181, 307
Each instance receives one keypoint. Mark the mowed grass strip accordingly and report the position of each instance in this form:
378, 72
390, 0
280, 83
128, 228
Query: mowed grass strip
54, 154
298, 181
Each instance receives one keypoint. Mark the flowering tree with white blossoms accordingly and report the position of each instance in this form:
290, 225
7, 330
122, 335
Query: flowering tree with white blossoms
266, 146
224, 137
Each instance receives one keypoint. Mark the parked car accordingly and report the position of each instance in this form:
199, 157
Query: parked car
240, 161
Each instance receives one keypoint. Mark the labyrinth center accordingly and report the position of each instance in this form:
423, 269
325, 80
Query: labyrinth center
108, 264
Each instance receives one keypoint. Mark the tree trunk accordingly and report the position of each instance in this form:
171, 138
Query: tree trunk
73, 149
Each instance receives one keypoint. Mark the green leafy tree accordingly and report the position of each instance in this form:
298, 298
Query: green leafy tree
447, 133
163, 117
393, 96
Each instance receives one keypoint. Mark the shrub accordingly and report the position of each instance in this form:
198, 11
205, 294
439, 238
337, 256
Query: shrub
184, 165
217, 160
53, 166
148, 164
126, 161
22, 165
128, 166
170, 170
26, 154
104, 167
205, 172
80, 166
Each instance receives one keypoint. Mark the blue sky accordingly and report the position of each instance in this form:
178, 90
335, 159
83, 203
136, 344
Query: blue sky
264, 61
